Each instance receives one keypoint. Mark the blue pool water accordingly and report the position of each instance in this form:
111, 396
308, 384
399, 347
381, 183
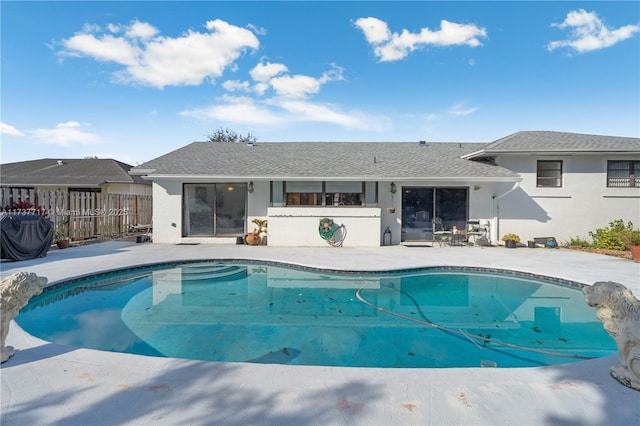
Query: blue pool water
273, 313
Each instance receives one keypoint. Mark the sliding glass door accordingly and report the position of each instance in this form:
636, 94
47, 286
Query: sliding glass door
214, 209
451, 206
421, 204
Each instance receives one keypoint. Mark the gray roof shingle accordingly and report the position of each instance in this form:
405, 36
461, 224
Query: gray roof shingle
324, 160
89, 172
547, 141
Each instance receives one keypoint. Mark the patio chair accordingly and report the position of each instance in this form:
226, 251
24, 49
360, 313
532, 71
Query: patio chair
439, 234
145, 231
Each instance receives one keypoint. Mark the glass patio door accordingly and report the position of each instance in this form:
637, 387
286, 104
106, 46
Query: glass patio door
421, 204
451, 206
214, 209
417, 213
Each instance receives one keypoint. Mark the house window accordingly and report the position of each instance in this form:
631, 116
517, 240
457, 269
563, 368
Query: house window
623, 174
549, 174
344, 194
305, 193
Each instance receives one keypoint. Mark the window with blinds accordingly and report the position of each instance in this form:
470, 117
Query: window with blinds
623, 174
549, 174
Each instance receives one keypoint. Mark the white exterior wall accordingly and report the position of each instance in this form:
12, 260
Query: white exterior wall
298, 226
167, 216
258, 203
582, 204
167, 211
127, 188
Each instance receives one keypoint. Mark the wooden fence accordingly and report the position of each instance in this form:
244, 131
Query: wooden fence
81, 215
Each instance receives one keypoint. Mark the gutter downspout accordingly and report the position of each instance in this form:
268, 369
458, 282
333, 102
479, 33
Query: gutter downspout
496, 209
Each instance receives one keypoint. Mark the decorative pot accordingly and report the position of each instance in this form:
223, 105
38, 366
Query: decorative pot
635, 253
531, 244
510, 244
62, 244
253, 239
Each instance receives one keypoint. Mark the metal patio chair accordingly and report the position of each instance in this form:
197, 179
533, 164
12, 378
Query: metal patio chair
440, 235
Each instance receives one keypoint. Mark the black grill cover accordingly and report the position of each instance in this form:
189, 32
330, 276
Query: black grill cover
25, 236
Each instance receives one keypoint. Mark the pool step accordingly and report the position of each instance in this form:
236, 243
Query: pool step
202, 272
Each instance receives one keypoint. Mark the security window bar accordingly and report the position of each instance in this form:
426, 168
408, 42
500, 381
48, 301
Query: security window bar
623, 174
549, 174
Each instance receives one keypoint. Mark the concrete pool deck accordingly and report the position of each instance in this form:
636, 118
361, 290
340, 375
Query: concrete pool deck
45, 383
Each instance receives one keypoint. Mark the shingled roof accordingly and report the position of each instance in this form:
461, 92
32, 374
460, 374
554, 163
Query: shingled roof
324, 161
558, 142
84, 173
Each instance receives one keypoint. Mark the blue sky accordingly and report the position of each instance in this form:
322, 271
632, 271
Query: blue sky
135, 80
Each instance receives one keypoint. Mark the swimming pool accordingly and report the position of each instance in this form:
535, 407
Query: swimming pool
241, 311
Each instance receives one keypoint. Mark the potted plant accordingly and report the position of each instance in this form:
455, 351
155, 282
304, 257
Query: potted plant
511, 240
62, 240
631, 239
531, 243
255, 237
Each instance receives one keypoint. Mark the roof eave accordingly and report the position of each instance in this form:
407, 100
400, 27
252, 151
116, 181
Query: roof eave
472, 155
558, 152
140, 172
229, 178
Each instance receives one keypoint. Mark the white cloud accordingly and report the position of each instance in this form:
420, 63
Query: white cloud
239, 110
390, 46
299, 86
588, 32
64, 134
311, 112
141, 30
285, 105
106, 49
8, 130
375, 30
461, 110
431, 117
257, 30
235, 85
150, 59
266, 71
280, 111
439, 119
295, 86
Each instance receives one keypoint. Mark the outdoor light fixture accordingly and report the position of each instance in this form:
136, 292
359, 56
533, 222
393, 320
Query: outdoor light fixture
393, 188
250, 187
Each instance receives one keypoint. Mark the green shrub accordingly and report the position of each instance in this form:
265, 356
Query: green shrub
631, 238
611, 236
577, 242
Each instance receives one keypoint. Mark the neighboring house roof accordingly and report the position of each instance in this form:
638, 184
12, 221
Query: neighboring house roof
82, 173
323, 161
557, 143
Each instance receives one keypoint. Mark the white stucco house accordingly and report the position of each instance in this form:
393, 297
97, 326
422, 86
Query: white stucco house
533, 183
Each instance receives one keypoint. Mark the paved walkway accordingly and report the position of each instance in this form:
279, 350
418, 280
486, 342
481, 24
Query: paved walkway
45, 383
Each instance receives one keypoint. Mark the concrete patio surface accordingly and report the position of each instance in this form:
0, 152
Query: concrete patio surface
47, 384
